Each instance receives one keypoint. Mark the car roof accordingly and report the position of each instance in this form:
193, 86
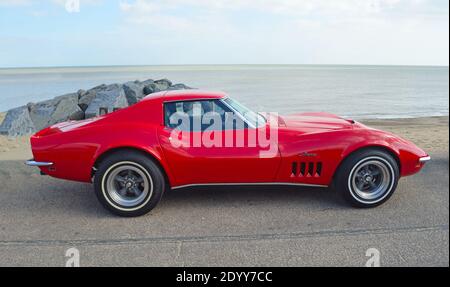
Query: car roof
185, 95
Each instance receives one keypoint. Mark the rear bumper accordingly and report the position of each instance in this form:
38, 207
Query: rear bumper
38, 163
425, 159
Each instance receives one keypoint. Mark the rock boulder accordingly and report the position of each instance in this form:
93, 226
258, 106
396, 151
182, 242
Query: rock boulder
86, 97
40, 113
57, 110
112, 98
163, 84
179, 87
134, 91
66, 109
17, 122
80, 105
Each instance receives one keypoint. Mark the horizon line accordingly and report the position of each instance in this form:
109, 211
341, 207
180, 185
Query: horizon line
212, 65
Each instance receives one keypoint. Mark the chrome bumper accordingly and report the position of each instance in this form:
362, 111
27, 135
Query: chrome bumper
425, 159
38, 164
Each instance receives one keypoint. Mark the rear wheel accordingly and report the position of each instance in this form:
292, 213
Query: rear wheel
367, 178
129, 184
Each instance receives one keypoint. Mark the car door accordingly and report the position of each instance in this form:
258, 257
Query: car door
194, 160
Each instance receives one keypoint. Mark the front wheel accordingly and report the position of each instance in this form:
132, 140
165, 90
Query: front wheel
367, 178
129, 184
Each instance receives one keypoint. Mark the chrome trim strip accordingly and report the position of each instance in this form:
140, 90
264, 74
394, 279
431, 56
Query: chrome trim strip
241, 116
425, 159
190, 100
38, 164
250, 184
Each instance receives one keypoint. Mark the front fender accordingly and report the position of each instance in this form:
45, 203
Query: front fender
405, 152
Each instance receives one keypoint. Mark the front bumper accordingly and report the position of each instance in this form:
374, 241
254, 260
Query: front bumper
38, 163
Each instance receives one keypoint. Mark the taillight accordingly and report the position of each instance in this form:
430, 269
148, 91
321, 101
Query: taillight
47, 131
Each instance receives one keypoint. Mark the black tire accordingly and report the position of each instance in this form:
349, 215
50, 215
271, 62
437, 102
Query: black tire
356, 174
135, 169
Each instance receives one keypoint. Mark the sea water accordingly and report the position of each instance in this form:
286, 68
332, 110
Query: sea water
352, 91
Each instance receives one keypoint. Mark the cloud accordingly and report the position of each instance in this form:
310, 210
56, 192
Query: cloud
189, 17
289, 31
82, 2
289, 7
12, 3
233, 31
176, 14
235, 16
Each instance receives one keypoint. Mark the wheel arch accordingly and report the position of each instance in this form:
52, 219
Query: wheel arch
148, 154
382, 148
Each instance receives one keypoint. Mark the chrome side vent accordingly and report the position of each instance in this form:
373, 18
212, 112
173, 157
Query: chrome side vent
302, 169
307, 169
310, 169
319, 169
294, 169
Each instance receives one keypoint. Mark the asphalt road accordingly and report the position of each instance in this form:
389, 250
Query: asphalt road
41, 217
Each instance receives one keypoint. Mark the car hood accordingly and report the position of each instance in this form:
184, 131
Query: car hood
315, 122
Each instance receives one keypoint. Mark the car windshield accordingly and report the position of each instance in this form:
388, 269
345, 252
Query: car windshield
250, 116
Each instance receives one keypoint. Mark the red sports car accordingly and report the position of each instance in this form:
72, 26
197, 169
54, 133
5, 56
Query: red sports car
178, 139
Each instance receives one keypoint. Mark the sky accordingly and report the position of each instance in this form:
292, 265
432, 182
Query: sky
38, 33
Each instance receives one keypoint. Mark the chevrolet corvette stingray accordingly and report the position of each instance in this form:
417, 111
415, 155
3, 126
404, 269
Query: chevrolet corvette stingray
133, 155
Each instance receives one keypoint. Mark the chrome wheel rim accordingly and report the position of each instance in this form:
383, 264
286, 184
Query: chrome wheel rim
128, 186
371, 180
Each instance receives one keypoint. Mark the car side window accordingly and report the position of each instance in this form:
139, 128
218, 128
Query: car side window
196, 115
